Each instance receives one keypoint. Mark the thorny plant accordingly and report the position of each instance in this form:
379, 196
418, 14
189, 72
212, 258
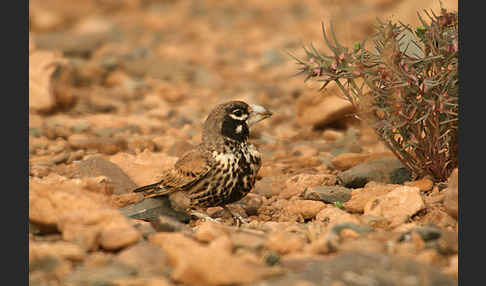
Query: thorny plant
406, 88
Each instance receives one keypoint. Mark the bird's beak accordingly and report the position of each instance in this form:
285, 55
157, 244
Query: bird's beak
257, 114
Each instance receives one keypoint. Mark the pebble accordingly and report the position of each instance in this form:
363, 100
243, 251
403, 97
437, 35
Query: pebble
328, 194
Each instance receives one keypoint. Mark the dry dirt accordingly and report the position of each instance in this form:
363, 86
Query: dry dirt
118, 91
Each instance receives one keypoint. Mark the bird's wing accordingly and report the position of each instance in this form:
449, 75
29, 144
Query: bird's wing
188, 170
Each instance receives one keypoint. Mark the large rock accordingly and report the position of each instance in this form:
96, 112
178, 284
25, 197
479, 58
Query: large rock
346, 161
197, 264
98, 166
83, 217
360, 196
42, 67
319, 111
384, 170
397, 206
143, 168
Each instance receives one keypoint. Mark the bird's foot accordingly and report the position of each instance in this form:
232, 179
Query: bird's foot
239, 220
205, 217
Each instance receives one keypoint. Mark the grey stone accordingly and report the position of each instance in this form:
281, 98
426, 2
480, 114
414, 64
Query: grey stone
328, 194
151, 208
385, 170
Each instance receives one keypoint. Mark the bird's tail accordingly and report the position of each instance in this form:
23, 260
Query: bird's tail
146, 188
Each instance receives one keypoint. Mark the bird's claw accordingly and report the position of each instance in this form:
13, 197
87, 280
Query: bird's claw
206, 217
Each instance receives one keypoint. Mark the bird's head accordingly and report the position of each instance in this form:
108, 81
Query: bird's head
232, 119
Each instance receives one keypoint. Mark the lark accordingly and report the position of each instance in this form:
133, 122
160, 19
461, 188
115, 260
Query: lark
219, 171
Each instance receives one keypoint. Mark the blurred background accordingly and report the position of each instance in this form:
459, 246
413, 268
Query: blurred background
131, 81
172, 61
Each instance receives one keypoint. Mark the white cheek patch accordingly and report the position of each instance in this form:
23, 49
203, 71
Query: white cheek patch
239, 128
243, 117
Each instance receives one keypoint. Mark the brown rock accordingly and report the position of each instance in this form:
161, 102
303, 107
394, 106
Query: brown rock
82, 217
42, 65
308, 209
139, 281
318, 111
359, 197
208, 231
60, 249
298, 183
451, 196
396, 206
285, 242
346, 161
114, 236
195, 264
333, 215
143, 168
332, 135
98, 166
424, 184
146, 257
269, 186
453, 267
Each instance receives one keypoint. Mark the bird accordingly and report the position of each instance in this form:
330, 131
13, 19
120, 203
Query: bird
222, 169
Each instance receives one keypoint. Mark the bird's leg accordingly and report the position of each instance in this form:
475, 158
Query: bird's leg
201, 215
238, 218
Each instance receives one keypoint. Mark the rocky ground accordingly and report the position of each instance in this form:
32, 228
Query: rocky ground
118, 91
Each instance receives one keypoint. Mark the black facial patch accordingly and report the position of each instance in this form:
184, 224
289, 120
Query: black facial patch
229, 129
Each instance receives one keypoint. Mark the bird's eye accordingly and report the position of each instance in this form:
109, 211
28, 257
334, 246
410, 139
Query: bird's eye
238, 112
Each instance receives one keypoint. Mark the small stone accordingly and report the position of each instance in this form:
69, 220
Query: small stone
396, 206
328, 194
308, 209
333, 215
384, 170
